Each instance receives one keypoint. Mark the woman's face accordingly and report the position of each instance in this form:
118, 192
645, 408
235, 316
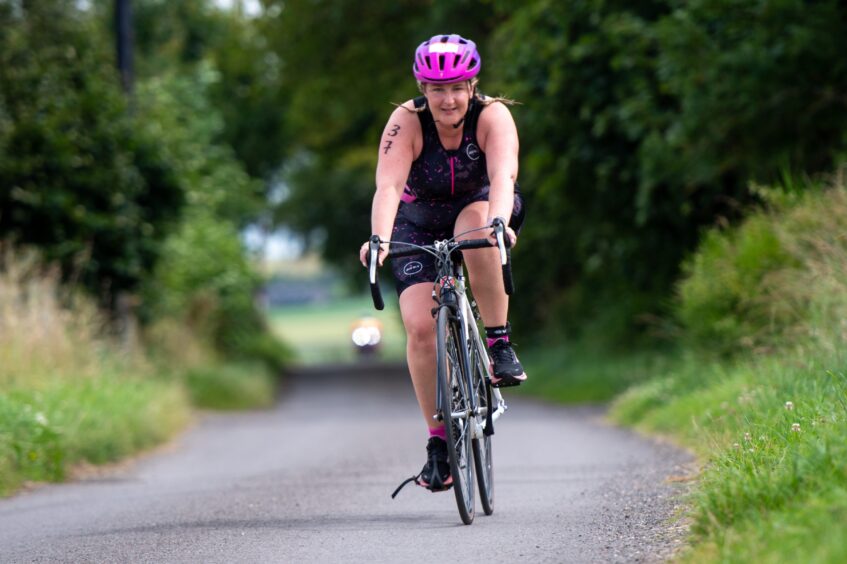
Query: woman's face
448, 102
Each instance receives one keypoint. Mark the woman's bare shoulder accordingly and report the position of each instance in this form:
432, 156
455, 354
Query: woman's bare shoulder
495, 122
405, 111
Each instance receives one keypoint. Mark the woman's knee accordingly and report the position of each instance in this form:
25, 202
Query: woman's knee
415, 307
420, 329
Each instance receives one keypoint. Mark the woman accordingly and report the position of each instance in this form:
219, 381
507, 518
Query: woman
448, 162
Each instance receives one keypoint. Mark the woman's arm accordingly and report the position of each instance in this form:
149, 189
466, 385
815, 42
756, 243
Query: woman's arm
396, 153
498, 138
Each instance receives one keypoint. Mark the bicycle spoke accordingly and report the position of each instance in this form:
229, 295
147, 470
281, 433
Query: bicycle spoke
456, 409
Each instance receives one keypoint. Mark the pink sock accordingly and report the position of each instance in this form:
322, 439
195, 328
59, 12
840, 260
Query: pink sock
489, 341
438, 432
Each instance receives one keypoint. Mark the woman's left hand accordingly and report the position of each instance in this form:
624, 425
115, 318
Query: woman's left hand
510, 233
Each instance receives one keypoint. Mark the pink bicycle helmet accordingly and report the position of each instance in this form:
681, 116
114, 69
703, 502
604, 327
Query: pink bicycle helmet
446, 58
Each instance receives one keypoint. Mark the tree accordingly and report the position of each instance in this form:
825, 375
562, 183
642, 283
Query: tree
343, 64
81, 178
646, 121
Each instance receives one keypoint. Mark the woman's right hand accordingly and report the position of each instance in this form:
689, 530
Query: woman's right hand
363, 254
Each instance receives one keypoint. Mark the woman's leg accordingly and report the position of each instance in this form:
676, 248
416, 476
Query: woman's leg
484, 270
486, 280
416, 308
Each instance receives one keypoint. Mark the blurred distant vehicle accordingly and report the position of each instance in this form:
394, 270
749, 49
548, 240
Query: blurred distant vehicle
366, 333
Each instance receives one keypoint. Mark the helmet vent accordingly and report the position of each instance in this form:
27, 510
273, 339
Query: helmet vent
441, 62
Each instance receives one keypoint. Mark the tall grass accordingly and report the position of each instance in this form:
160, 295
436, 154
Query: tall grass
39, 337
770, 420
68, 393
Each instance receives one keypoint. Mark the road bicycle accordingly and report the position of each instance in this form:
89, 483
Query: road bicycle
467, 403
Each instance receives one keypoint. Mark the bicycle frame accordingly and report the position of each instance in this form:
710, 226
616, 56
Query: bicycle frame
454, 295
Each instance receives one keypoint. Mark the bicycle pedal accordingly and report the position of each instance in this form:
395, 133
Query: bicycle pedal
506, 383
439, 490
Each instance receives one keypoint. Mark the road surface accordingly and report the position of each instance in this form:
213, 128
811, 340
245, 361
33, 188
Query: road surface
310, 481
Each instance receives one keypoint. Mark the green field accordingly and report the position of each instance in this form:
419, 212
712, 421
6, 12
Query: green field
320, 332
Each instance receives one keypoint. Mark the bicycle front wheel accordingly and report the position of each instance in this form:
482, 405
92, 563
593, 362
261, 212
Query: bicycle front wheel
455, 410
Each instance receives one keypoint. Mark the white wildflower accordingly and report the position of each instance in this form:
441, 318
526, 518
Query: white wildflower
795, 427
789, 405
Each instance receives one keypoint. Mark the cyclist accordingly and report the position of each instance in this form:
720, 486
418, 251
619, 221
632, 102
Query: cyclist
448, 162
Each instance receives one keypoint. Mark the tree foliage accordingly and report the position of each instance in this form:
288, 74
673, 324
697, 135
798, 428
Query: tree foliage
642, 123
646, 121
344, 64
205, 277
81, 178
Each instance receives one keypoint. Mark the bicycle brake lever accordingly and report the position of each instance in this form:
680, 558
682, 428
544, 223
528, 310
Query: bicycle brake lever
374, 257
499, 230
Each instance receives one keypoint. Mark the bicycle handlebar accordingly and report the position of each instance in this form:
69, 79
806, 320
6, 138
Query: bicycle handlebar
373, 256
504, 244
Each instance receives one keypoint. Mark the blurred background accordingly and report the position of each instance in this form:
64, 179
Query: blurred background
184, 184
229, 161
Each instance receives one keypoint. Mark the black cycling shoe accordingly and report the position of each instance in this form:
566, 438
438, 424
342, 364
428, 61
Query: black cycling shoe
506, 369
435, 475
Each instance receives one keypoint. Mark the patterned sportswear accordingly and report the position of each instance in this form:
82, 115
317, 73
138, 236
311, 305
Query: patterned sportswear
440, 185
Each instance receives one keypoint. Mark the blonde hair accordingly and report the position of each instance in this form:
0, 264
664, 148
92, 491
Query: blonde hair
479, 97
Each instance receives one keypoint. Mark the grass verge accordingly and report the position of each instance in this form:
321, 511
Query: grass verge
70, 395
766, 407
771, 432
571, 373
230, 386
101, 419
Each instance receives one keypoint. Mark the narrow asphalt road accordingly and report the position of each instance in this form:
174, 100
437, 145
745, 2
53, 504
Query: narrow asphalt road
310, 481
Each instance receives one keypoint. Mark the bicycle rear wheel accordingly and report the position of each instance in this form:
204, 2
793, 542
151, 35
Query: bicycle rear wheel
454, 406
483, 460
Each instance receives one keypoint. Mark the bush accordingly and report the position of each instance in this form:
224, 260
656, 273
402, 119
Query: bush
779, 274
723, 296
82, 178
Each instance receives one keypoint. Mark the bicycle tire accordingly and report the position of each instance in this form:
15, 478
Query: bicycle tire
483, 460
453, 399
